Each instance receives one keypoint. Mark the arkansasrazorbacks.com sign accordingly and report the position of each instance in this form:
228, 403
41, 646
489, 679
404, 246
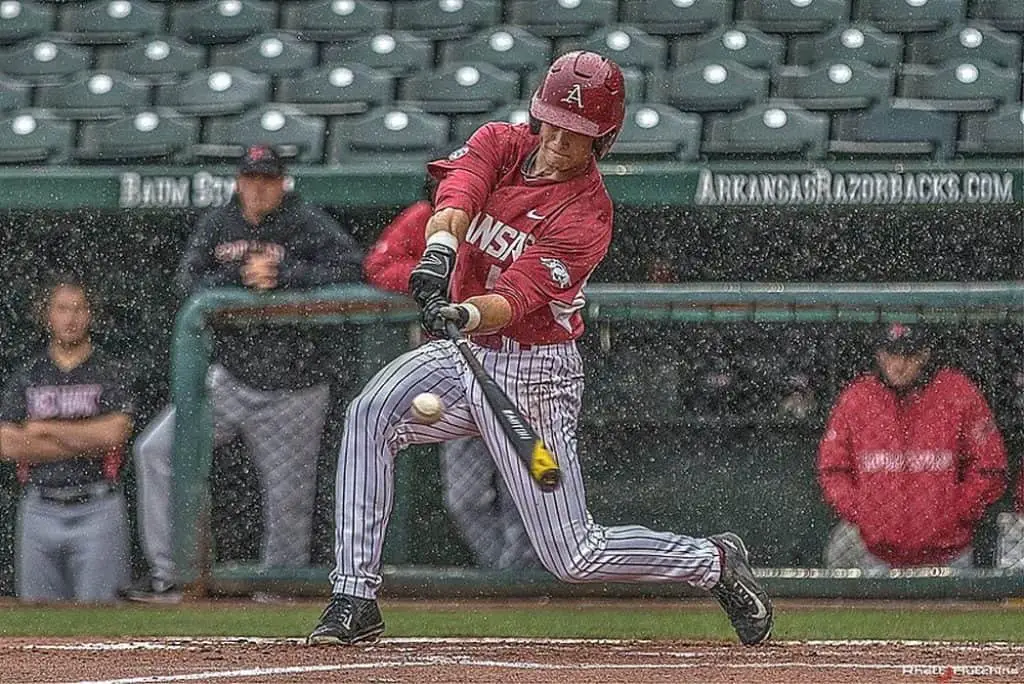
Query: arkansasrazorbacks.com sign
822, 186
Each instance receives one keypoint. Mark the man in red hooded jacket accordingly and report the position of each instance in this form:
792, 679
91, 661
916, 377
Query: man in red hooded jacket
910, 459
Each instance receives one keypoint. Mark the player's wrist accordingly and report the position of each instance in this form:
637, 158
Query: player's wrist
473, 316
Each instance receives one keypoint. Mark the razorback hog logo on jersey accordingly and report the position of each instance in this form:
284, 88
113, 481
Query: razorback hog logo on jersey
559, 273
500, 240
575, 96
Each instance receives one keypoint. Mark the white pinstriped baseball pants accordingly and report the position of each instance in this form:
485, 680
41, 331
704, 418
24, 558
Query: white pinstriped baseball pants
546, 382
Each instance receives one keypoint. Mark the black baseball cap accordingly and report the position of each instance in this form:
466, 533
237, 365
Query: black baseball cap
903, 339
261, 160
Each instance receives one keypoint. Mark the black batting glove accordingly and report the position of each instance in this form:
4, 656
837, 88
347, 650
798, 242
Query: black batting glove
433, 272
431, 319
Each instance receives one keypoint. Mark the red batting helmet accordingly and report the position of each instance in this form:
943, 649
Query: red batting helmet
585, 93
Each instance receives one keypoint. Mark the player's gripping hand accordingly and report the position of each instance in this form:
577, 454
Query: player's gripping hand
439, 311
431, 319
433, 272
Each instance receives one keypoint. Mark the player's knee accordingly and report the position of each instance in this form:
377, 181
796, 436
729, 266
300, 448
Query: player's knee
574, 565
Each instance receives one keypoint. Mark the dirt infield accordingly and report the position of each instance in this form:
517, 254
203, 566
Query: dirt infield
533, 661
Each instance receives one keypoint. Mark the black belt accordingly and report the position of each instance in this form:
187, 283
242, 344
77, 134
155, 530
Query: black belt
74, 494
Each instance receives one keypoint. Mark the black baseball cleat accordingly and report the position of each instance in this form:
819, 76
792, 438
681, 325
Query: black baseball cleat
744, 601
347, 620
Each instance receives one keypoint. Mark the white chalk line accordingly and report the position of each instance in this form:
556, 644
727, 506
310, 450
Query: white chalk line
189, 643
428, 662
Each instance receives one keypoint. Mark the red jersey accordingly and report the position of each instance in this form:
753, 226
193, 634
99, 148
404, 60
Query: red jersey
914, 473
398, 249
533, 241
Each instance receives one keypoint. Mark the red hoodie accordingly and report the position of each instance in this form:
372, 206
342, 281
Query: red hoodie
398, 249
916, 472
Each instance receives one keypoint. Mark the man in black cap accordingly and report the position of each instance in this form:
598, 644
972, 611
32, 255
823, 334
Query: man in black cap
910, 460
268, 383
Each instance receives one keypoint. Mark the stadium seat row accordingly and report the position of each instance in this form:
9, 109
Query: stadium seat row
516, 49
225, 21
651, 131
342, 89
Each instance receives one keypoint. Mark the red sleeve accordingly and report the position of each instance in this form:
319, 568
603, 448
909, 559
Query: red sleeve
538, 277
837, 466
985, 465
398, 249
469, 174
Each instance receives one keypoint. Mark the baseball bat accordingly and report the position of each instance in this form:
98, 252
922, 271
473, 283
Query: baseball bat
539, 462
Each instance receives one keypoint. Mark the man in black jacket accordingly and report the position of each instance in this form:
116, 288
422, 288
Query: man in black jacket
268, 383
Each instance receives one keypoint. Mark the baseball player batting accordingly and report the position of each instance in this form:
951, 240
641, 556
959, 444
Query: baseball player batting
521, 220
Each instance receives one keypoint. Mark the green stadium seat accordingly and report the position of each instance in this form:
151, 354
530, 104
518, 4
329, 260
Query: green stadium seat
627, 45
509, 48
652, 131
862, 42
273, 53
789, 16
163, 59
958, 86
35, 137
14, 94
24, 19
905, 16
1007, 15
966, 44
637, 89
95, 95
157, 136
743, 44
327, 20
459, 88
388, 134
888, 131
709, 85
997, 133
292, 133
44, 60
675, 17
464, 125
215, 92
110, 21
398, 52
222, 21
561, 17
835, 85
337, 90
445, 19
778, 130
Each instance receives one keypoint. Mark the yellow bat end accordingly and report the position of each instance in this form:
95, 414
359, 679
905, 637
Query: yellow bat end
543, 467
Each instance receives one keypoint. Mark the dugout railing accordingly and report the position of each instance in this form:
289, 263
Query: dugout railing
608, 305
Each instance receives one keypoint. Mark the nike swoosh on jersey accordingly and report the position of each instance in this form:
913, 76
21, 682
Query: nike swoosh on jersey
532, 214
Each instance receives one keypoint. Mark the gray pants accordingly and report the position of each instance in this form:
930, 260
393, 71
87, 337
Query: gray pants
846, 549
281, 429
482, 507
72, 552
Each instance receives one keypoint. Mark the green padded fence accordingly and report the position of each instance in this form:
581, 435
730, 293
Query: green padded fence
607, 304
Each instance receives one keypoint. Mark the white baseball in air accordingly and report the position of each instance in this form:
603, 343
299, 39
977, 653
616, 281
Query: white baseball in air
427, 407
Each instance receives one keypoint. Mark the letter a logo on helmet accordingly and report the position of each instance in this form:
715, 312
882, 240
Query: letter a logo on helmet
585, 93
575, 96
